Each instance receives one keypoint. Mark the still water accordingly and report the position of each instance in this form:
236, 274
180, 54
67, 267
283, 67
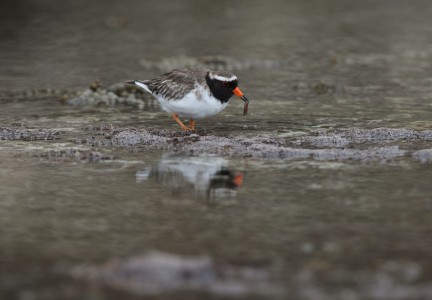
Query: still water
218, 226
294, 219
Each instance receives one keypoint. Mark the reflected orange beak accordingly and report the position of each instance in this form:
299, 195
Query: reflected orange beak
238, 180
240, 94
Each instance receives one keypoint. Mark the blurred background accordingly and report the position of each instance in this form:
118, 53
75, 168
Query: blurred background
77, 214
348, 43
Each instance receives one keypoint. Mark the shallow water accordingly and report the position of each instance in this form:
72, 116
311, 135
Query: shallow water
319, 228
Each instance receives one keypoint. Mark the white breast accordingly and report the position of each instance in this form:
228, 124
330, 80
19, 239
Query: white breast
197, 104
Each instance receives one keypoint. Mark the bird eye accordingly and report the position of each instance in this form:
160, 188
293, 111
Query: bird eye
225, 83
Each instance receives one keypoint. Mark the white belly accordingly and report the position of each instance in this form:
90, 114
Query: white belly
195, 105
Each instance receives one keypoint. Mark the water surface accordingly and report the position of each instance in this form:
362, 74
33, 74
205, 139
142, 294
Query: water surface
320, 229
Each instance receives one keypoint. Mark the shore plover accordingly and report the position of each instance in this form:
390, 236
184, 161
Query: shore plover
193, 93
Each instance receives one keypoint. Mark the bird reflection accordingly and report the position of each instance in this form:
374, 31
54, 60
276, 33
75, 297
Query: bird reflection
206, 176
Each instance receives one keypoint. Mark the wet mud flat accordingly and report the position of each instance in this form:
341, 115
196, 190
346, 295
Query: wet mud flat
163, 274
261, 140
321, 192
225, 169
326, 145
380, 144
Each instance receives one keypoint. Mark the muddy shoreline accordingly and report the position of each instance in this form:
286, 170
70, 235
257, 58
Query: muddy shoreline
382, 144
321, 192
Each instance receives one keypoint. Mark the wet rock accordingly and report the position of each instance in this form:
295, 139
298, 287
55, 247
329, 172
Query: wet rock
116, 94
423, 156
384, 134
27, 134
328, 141
133, 138
344, 137
161, 273
259, 147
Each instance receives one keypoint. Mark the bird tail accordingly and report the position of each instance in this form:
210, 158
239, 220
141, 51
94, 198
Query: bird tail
140, 83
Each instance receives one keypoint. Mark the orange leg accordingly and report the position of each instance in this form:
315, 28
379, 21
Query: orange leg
176, 118
192, 124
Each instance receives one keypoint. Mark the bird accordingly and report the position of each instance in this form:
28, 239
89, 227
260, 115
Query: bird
193, 93
203, 175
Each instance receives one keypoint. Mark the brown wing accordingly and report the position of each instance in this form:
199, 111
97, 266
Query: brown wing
177, 83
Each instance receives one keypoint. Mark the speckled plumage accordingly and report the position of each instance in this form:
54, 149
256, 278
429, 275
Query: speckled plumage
193, 93
176, 84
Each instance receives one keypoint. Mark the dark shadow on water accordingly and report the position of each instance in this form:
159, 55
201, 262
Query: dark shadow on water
208, 177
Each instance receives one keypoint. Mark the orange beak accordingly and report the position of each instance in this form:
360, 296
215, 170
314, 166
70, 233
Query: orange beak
240, 94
